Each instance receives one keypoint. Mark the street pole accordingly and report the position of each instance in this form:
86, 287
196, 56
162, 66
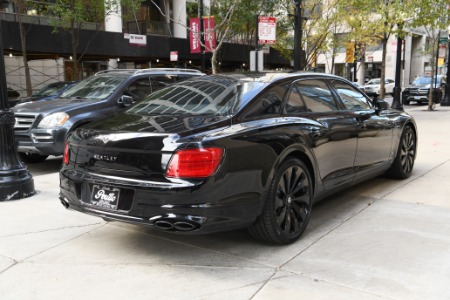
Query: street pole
396, 102
256, 43
202, 39
297, 35
446, 100
15, 180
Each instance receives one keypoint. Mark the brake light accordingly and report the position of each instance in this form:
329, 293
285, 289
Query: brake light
66, 154
194, 163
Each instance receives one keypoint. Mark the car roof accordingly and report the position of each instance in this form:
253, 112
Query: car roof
133, 72
270, 77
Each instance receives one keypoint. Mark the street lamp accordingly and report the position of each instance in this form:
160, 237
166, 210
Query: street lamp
15, 180
396, 102
446, 100
298, 35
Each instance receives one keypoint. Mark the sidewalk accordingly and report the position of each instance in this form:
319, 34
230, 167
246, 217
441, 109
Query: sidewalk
383, 239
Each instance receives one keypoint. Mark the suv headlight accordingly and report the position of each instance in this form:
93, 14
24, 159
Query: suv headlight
54, 120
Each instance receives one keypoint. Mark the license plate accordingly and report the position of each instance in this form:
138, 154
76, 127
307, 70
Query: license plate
105, 196
417, 97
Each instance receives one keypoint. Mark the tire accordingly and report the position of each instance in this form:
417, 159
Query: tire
403, 164
32, 158
287, 206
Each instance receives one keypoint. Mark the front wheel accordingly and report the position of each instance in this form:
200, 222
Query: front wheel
287, 205
404, 161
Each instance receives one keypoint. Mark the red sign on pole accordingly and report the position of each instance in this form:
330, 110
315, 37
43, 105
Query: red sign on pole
194, 36
173, 55
267, 29
210, 35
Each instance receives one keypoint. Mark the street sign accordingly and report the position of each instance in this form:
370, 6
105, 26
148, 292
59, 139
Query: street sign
350, 53
267, 29
173, 55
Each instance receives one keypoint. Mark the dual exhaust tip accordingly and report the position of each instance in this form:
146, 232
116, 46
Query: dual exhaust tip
175, 224
167, 224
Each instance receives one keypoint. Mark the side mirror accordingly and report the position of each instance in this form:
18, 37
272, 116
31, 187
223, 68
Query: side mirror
125, 101
380, 104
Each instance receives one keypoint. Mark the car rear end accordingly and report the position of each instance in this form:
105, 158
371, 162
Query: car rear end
154, 165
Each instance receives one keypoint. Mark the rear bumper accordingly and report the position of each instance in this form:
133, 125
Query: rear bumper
198, 208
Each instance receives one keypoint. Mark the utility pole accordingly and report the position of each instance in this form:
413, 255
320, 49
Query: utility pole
446, 100
298, 35
396, 102
202, 38
15, 180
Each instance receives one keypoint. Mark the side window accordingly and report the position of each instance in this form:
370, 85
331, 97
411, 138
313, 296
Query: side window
351, 97
268, 103
139, 89
316, 95
161, 81
294, 102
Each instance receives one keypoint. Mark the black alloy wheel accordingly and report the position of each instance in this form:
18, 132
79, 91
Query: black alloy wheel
288, 205
404, 161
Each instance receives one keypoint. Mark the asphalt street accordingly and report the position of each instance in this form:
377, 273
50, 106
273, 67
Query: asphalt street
383, 239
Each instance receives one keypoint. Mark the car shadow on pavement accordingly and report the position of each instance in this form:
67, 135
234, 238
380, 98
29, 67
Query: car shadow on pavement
50, 165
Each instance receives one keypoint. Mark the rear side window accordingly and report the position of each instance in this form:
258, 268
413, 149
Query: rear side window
310, 95
269, 103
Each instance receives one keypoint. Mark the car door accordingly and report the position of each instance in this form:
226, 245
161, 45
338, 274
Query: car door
375, 130
332, 131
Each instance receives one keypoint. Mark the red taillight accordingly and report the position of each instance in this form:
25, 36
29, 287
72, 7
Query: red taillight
66, 154
194, 163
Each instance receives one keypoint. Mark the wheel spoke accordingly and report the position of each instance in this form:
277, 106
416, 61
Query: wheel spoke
287, 223
281, 216
282, 191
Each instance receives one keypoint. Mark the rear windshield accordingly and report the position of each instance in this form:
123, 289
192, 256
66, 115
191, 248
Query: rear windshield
212, 96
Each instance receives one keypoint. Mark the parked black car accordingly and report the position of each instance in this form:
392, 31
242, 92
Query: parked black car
218, 153
48, 92
419, 90
42, 127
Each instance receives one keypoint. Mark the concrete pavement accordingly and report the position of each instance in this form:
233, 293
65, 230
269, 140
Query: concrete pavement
383, 239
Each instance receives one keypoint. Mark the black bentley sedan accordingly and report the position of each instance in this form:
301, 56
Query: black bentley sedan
218, 153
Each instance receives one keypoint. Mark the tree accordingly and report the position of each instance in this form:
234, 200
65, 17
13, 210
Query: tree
21, 7
74, 15
433, 16
374, 20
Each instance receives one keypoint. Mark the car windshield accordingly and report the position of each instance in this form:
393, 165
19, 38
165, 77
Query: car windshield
50, 89
424, 80
212, 96
374, 81
95, 87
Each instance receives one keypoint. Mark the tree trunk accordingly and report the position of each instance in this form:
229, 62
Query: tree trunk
23, 40
433, 71
383, 68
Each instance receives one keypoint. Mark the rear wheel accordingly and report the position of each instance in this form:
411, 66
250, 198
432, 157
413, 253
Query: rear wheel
404, 161
32, 158
287, 205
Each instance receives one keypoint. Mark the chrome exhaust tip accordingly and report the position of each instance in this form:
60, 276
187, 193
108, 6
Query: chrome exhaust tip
178, 223
64, 202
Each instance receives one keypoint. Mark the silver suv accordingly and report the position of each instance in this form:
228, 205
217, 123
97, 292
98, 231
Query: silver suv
42, 127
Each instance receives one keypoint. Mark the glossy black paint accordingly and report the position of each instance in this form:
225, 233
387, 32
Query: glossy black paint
339, 147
